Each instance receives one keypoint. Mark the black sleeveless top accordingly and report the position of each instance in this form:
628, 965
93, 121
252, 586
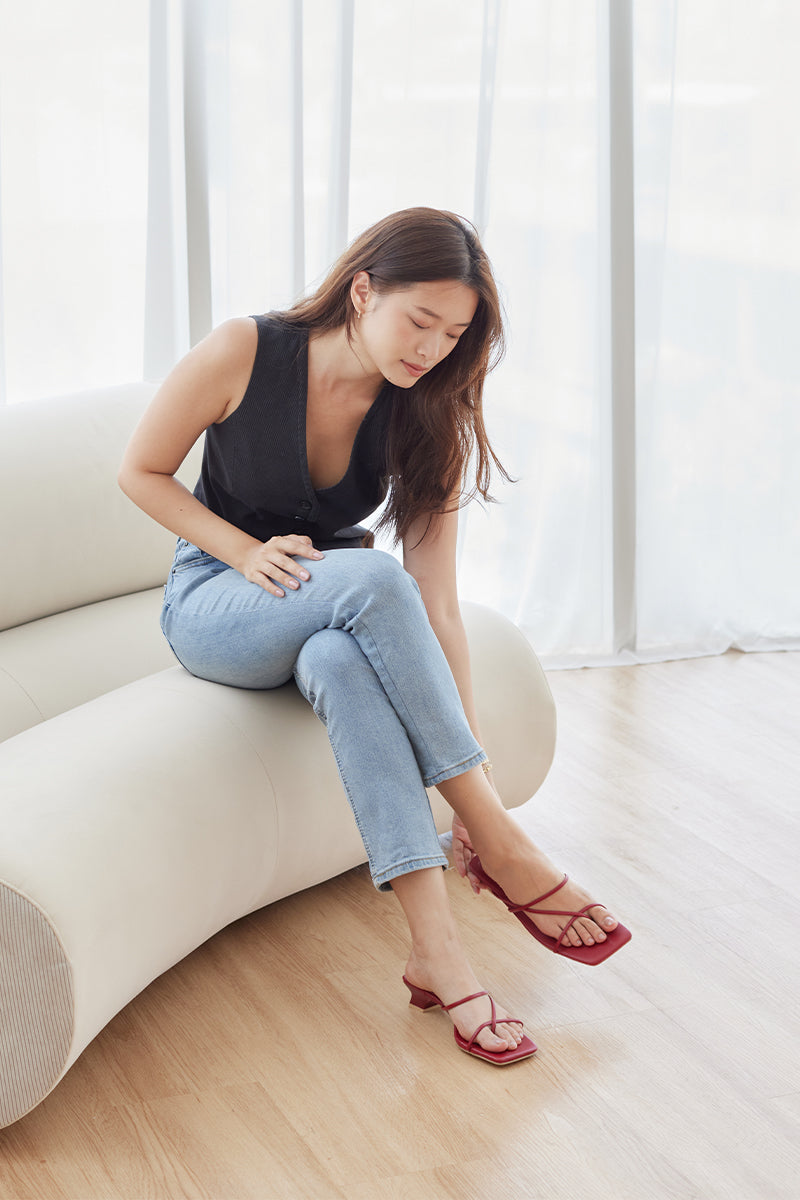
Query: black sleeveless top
255, 468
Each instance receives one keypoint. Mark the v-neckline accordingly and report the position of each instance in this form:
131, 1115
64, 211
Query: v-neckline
303, 428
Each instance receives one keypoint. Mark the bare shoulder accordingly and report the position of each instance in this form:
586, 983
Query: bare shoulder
208, 383
231, 347
224, 360
234, 340
202, 389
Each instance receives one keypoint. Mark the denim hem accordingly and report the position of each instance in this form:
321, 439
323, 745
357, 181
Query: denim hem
383, 880
458, 769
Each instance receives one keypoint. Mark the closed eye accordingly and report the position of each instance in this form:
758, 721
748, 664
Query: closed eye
453, 336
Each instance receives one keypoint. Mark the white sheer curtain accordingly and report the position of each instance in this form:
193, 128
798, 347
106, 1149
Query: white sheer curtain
543, 556
633, 170
718, 304
73, 194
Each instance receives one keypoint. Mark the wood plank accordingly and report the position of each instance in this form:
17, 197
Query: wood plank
282, 1059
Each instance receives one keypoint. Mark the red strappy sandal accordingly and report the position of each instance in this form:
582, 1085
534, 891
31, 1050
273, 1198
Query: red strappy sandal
591, 955
423, 999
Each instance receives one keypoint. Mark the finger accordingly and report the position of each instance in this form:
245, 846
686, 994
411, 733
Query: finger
462, 860
461, 832
290, 571
459, 858
268, 586
285, 571
295, 543
274, 580
473, 882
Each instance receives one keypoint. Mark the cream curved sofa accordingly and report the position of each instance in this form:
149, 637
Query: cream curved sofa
141, 809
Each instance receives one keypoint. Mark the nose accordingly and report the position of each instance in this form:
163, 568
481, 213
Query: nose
428, 348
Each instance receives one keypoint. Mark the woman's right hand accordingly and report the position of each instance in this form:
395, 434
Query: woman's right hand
463, 853
271, 564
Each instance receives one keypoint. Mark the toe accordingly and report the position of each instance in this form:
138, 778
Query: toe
606, 921
512, 1034
496, 1042
594, 928
582, 933
591, 932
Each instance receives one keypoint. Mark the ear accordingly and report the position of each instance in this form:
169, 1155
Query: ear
360, 291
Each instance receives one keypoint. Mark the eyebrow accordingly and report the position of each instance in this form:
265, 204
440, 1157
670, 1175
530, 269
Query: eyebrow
436, 317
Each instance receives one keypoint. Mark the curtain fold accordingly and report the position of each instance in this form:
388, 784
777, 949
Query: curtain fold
633, 171
166, 307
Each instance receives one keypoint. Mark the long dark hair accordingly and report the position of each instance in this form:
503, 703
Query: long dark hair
438, 429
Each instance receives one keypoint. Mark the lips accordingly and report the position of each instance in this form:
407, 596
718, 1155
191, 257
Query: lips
413, 369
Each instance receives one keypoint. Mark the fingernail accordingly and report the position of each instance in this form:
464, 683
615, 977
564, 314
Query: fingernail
317, 554
304, 574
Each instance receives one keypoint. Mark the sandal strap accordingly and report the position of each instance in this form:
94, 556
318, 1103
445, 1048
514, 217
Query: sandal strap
532, 910
490, 1024
546, 896
466, 1000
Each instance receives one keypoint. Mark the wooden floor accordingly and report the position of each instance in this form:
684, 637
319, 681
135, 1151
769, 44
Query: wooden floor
282, 1059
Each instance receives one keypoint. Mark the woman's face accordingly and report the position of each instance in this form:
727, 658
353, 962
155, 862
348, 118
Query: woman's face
405, 333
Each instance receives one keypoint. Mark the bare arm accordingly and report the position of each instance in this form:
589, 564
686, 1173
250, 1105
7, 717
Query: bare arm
203, 389
432, 563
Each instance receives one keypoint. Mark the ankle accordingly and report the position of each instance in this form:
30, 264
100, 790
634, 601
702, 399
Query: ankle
450, 977
511, 850
432, 951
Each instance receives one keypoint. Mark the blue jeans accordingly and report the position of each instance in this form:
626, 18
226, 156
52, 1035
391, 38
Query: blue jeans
357, 640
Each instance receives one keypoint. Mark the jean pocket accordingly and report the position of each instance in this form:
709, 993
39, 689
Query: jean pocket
188, 556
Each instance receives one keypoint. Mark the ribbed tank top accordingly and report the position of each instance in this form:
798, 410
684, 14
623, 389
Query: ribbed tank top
255, 467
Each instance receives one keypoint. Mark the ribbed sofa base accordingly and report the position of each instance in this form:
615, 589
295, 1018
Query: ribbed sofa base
37, 1004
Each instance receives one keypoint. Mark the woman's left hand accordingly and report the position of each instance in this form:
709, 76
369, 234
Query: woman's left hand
463, 851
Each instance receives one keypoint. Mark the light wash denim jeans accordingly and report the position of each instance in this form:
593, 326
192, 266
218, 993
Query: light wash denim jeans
357, 639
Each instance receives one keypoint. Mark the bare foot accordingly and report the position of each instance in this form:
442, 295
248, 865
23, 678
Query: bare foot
529, 874
451, 981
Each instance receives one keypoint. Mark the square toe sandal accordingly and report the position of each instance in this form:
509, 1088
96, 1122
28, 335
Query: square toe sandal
591, 955
423, 999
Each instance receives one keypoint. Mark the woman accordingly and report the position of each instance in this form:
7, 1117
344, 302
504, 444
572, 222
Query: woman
373, 383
